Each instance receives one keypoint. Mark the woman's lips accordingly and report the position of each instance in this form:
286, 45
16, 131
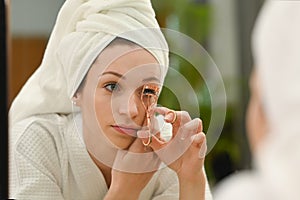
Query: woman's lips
126, 130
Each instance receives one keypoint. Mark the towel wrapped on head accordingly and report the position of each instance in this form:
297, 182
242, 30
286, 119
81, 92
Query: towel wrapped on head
82, 30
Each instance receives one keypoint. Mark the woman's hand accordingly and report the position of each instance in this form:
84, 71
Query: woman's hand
131, 172
185, 152
188, 143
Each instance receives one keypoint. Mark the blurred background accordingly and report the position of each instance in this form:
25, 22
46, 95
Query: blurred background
222, 27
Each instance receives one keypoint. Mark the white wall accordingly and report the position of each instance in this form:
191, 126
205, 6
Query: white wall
223, 45
33, 17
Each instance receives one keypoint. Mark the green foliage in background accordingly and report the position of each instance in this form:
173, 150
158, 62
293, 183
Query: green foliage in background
194, 20
191, 19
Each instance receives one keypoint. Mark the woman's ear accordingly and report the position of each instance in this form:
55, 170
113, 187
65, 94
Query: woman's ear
76, 99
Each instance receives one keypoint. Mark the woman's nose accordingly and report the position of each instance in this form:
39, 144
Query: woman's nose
130, 106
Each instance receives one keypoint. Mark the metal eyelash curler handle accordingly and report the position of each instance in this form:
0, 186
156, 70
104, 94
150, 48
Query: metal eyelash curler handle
149, 99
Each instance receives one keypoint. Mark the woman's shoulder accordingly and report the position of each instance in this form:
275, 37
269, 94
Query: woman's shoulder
38, 131
37, 123
37, 151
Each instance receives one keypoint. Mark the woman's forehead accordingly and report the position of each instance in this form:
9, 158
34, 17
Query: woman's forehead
131, 54
128, 61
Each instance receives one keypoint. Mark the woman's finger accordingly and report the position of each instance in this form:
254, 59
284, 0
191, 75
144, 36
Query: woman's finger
181, 118
137, 159
151, 141
174, 117
199, 141
136, 147
188, 129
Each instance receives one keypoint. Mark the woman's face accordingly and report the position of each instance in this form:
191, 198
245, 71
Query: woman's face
112, 92
256, 120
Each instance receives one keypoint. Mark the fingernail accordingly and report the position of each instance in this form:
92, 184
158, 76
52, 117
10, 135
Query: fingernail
143, 134
202, 150
168, 118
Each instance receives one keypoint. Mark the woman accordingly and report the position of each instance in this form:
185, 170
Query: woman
273, 110
80, 128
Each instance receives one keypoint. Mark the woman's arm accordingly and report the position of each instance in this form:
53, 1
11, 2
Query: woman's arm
130, 172
192, 189
192, 180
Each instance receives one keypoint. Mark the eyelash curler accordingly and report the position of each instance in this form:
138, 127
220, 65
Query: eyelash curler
149, 99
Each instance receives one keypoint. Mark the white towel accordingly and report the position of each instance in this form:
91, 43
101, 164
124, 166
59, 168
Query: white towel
82, 30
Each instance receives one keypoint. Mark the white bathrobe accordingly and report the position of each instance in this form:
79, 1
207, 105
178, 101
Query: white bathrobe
53, 163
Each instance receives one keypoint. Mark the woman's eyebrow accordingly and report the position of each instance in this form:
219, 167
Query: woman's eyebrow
113, 73
151, 79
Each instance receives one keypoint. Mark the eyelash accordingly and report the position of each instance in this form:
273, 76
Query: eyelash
149, 91
116, 87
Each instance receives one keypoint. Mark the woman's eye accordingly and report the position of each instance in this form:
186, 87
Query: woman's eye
149, 91
112, 87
